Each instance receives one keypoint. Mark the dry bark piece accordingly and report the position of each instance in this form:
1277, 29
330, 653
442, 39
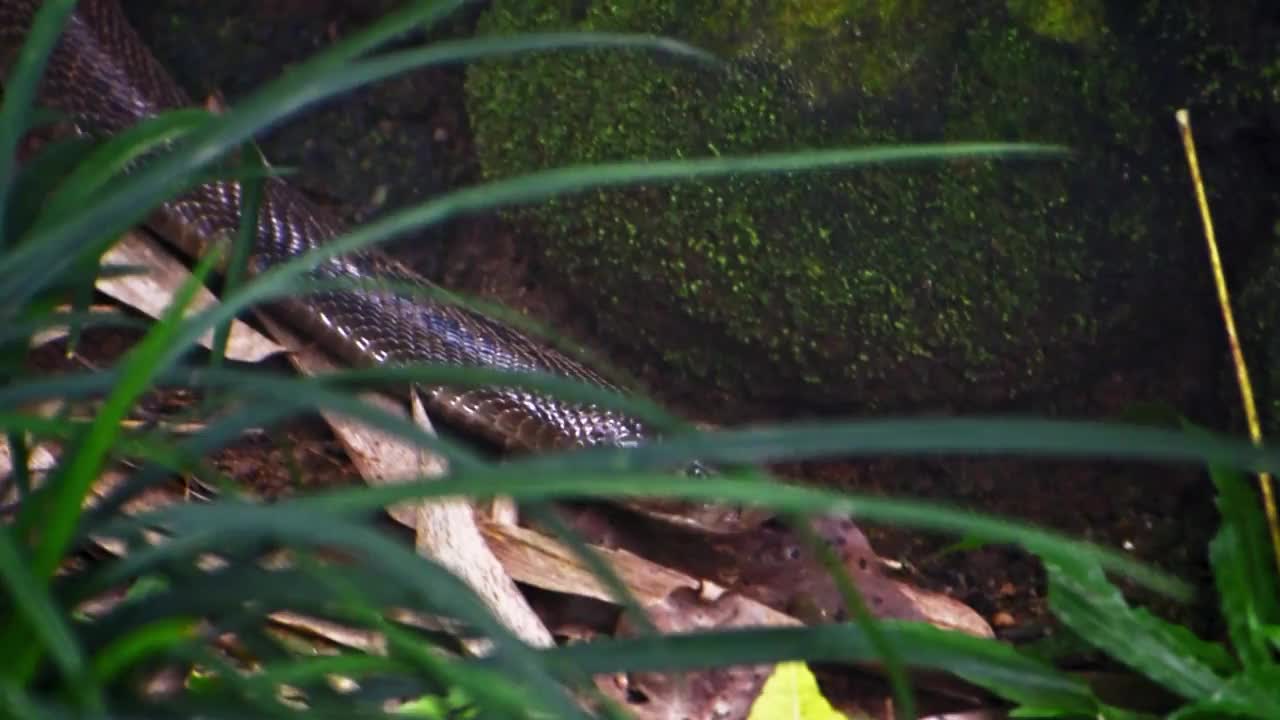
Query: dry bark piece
445, 529
540, 561
57, 332
152, 293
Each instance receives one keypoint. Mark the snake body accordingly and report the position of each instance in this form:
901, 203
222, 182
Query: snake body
103, 76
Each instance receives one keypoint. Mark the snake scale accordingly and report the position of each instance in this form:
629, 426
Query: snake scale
102, 75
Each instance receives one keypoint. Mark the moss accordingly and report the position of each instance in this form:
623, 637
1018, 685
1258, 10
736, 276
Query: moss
870, 284
1070, 21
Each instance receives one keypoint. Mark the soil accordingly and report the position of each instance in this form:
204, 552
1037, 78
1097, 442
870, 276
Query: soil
407, 140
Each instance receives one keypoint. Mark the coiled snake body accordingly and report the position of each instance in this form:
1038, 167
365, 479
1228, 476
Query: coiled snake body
103, 76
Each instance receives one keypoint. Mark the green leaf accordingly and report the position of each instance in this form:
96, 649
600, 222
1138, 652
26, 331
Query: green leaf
38, 178
20, 91
1082, 598
43, 621
1104, 712
109, 159
133, 647
792, 693
241, 249
1244, 569
1252, 694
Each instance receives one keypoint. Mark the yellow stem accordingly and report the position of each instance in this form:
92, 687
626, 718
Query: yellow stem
1233, 339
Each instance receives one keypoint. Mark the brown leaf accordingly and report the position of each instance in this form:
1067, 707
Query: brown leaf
717, 694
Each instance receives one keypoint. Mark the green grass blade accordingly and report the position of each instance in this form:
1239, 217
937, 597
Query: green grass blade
523, 485
20, 463
307, 670
986, 663
305, 85
38, 178
238, 261
45, 622
332, 391
131, 648
925, 436
20, 91
61, 508
17, 704
547, 517
223, 525
495, 691
856, 607
23, 329
137, 368
110, 159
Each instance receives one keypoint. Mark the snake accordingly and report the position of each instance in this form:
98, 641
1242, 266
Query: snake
104, 79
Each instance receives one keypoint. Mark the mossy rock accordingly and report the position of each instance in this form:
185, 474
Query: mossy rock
964, 284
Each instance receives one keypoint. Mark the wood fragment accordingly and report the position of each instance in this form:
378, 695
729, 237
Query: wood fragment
152, 293
445, 530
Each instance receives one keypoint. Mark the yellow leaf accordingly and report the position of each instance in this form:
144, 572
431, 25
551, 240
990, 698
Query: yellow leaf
791, 693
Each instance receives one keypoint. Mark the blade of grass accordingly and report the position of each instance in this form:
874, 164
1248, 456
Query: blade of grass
44, 622
856, 606
18, 704
494, 691
523, 485
20, 466
1247, 695
27, 328
142, 643
109, 160
61, 509
38, 178
29, 268
599, 567
238, 262
220, 525
332, 391
306, 670
72, 482
932, 436
20, 91
552, 183
985, 663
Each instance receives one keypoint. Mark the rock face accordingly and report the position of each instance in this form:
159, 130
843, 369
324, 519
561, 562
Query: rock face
964, 284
